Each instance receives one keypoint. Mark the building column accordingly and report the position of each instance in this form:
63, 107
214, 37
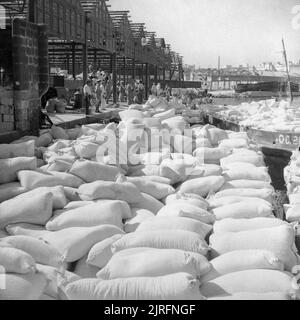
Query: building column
84, 71
114, 75
84, 62
68, 62
125, 71
31, 11
74, 60
100, 57
111, 64
155, 74
181, 75
142, 72
95, 59
85, 53
147, 80
133, 68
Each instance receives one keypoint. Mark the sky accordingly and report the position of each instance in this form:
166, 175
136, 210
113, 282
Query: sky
239, 31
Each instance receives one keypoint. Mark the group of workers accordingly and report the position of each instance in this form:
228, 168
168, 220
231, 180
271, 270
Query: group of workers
101, 90
98, 91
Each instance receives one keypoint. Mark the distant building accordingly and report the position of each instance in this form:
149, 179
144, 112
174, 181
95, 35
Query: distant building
266, 66
279, 66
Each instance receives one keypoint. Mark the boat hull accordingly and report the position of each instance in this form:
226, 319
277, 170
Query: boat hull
278, 87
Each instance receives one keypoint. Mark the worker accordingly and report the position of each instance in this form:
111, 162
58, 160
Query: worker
153, 90
140, 92
50, 94
122, 92
167, 93
77, 100
130, 88
103, 94
98, 91
87, 93
43, 119
158, 90
109, 89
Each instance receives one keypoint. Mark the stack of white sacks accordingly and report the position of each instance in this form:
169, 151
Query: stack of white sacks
292, 179
267, 115
79, 227
253, 253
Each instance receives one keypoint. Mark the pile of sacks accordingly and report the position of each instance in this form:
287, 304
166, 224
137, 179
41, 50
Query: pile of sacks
253, 254
292, 180
156, 105
153, 105
161, 103
181, 226
268, 115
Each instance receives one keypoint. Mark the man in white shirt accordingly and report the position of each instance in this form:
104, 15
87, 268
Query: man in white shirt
98, 92
158, 90
87, 93
153, 90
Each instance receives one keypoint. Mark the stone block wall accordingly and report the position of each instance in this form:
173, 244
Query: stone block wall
30, 73
24, 76
7, 119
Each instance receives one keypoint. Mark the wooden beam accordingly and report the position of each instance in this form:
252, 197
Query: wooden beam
147, 80
155, 74
31, 11
114, 73
124, 71
133, 68
74, 60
